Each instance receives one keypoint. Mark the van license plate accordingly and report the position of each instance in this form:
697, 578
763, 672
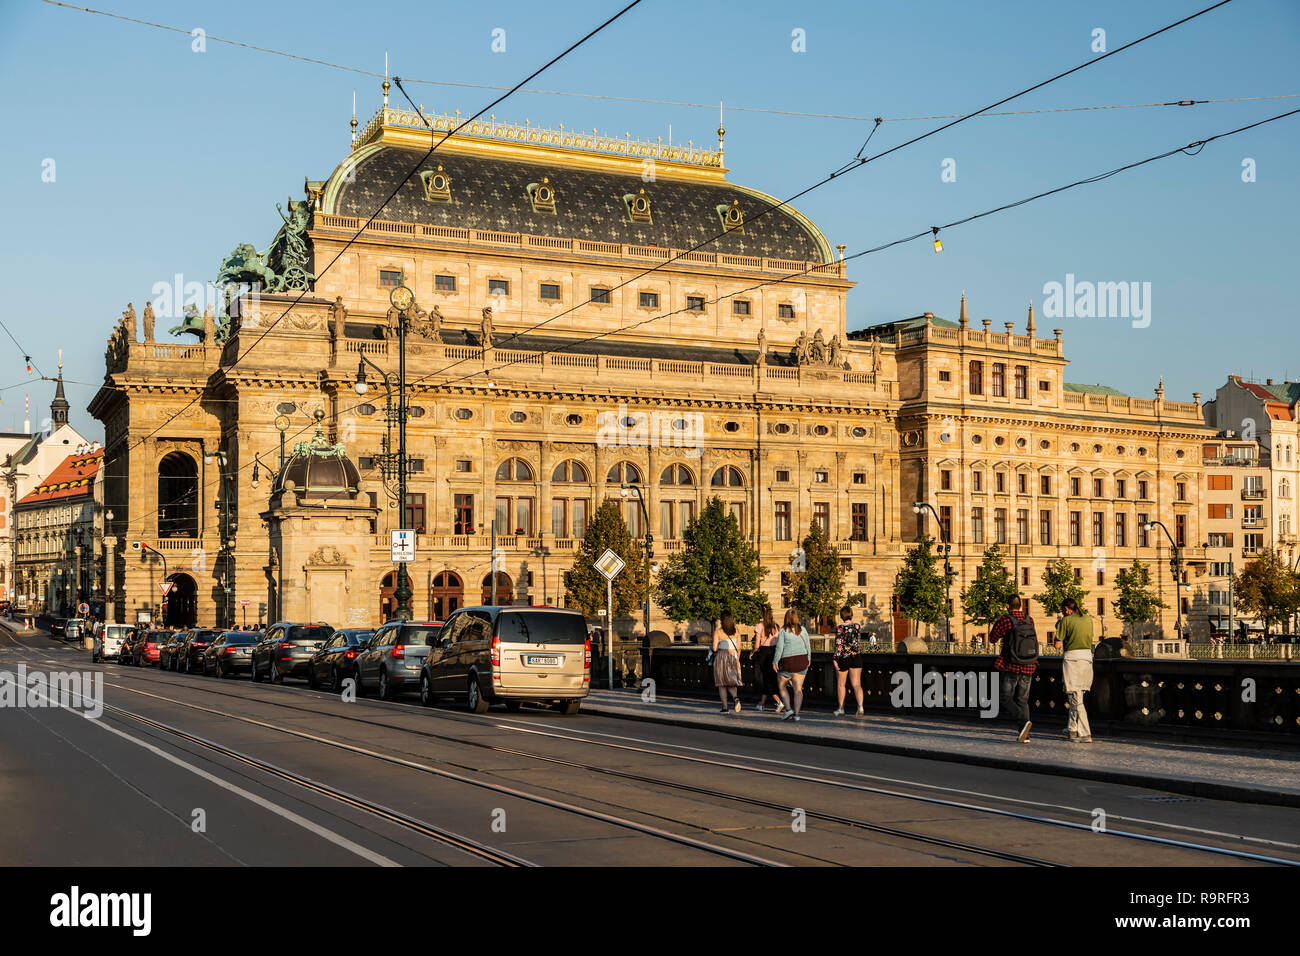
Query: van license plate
543, 661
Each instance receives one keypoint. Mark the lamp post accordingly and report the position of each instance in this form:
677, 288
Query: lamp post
145, 547
402, 299
945, 549
1175, 568
110, 571
226, 529
649, 552
543, 552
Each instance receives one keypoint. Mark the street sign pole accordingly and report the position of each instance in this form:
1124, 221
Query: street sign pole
609, 629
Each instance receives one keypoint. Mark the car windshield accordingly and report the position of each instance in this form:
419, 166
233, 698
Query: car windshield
241, 639
360, 637
426, 634
203, 635
308, 633
541, 627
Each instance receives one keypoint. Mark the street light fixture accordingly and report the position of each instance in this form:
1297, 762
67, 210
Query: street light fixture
945, 549
1175, 568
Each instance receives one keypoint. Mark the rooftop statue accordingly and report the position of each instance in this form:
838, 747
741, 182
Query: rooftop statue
192, 323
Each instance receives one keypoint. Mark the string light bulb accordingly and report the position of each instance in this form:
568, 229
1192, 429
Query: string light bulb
29, 364
938, 246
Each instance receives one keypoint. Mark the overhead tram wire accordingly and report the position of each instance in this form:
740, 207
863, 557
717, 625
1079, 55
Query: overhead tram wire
1191, 149
856, 163
549, 63
316, 61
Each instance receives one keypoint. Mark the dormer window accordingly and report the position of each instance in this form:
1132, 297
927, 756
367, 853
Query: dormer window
731, 216
638, 206
542, 196
437, 185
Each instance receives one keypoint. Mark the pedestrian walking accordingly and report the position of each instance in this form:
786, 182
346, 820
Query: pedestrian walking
792, 657
764, 653
848, 658
1074, 631
1017, 660
726, 661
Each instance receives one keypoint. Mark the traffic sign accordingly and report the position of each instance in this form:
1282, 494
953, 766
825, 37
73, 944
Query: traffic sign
244, 603
83, 608
165, 586
402, 545
499, 560
609, 564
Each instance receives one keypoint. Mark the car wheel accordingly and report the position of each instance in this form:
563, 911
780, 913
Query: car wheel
569, 707
256, 675
385, 689
474, 700
276, 676
217, 672
356, 678
311, 677
426, 691
336, 683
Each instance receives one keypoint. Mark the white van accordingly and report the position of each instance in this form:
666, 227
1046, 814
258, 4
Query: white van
108, 645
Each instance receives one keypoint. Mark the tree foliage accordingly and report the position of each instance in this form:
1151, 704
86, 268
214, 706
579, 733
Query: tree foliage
1059, 584
1138, 602
818, 590
716, 571
1267, 589
585, 585
986, 599
920, 587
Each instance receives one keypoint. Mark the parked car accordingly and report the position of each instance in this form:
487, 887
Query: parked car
392, 660
229, 653
336, 661
287, 649
108, 643
170, 649
147, 646
59, 627
189, 657
511, 655
74, 629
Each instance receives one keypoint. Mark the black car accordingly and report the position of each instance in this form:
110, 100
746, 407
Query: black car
190, 656
229, 653
287, 649
59, 627
337, 660
170, 649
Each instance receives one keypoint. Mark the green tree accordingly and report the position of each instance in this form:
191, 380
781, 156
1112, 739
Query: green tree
585, 585
1137, 603
716, 571
986, 599
920, 587
1059, 584
818, 590
1267, 589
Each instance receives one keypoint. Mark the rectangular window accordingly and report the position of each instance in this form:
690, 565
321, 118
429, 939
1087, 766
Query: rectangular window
1141, 527
1098, 489
685, 515
1044, 385
463, 514
695, 303
998, 380
740, 307
1252, 543
1220, 539
859, 477
1000, 525
782, 530
414, 465
1220, 511
559, 516
1101, 607
1044, 527
498, 287
977, 525
977, 378
632, 517
737, 511
444, 283
579, 508
1218, 482
1074, 487
524, 516
785, 311
550, 291
1022, 484
1180, 530
1022, 381
1044, 484
464, 465
977, 481
1121, 531
821, 477
1000, 482
649, 300
665, 520
1022, 526
1098, 529
822, 515
862, 579
415, 512
1074, 529
945, 480
945, 521
390, 278
1142, 490
600, 295
782, 475
1180, 491
858, 518
1121, 486
945, 376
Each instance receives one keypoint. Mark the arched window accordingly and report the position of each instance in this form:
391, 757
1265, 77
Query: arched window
446, 595
728, 477
677, 475
1284, 489
571, 471
514, 469
624, 473
505, 588
178, 496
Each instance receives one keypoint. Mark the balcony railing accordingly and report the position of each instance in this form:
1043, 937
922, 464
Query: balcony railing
1252, 522
1252, 494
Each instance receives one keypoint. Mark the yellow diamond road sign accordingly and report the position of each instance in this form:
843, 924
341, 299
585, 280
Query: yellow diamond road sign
609, 564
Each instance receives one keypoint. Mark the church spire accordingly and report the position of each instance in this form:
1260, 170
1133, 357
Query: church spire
963, 320
1032, 327
59, 407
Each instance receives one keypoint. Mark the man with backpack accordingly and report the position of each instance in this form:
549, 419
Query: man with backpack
1017, 660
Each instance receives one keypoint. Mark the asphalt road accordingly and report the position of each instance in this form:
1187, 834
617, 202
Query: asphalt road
191, 770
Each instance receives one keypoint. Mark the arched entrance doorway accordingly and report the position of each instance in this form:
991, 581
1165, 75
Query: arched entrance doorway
387, 596
505, 588
182, 602
446, 595
178, 496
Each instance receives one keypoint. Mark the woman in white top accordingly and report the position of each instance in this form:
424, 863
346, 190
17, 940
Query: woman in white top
726, 661
793, 658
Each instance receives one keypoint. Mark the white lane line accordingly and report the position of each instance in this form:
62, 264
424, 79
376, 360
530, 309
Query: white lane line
320, 831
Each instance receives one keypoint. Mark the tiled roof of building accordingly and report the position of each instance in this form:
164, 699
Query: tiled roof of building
901, 325
1093, 389
73, 478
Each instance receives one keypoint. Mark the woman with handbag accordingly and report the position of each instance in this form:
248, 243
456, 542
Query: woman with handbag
764, 656
792, 658
726, 661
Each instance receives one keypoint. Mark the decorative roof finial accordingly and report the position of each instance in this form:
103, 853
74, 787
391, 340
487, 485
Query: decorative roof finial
354, 119
963, 320
721, 131
1032, 327
387, 85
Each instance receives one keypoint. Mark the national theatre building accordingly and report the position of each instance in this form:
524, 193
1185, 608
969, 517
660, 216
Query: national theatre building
547, 367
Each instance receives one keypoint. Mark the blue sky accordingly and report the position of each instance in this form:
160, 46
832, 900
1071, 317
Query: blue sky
166, 158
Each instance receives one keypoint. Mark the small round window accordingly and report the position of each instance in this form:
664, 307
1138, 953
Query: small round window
680, 424
1119, 449
366, 409
859, 432
976, 439
1142, 451
1179, 453
1074, 446
821, 430
286, 408
574, 419
518, 417
999, 441
628, 421
1021, 443
732, 426
1044, 444
464, 414
782, 428
416, 411
1096, 449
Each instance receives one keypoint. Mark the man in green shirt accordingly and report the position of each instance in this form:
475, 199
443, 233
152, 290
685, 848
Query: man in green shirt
1074, 631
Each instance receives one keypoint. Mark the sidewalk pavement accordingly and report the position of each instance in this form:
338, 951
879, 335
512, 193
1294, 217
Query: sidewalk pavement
1249, 775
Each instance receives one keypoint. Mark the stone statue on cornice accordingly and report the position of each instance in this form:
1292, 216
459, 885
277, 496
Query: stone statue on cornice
485, 328
148, 321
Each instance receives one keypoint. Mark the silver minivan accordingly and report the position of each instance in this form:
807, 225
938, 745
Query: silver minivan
486, 655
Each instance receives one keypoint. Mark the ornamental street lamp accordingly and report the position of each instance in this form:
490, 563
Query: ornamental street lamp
1175, 568
649, 552
402, 299
945, 549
